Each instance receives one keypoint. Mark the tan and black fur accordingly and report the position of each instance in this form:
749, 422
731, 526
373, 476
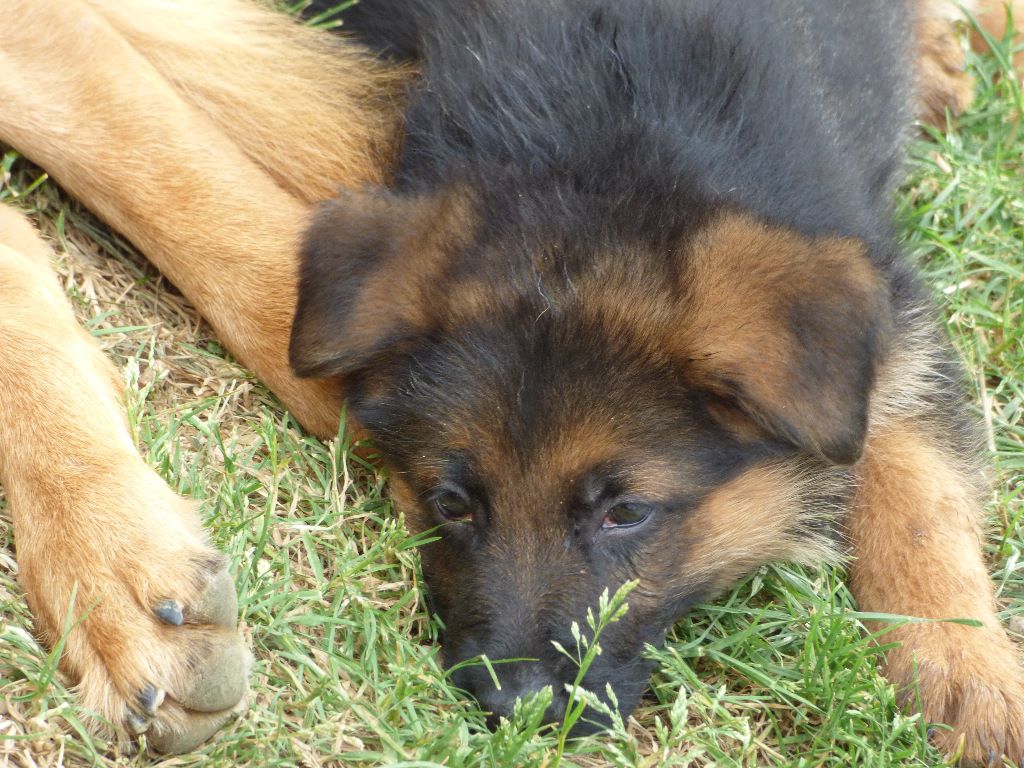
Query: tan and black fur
206, 131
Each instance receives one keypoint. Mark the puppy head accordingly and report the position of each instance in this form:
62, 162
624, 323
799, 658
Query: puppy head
569, 417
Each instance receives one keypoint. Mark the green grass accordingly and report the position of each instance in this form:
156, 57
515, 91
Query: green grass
777, 672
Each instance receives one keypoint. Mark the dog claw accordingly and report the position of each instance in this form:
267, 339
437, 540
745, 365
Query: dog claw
150, 699
136, 723
169, 612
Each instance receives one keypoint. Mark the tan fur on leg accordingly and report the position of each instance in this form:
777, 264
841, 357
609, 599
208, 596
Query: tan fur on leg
942, 82
212, 182
108, 126
308, 107
916, 537
102, 541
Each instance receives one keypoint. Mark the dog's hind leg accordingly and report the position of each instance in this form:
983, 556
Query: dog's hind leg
111, 560
916, 535
311, 109
111, 129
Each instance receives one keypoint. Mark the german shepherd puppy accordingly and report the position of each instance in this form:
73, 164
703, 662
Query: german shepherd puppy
633, 308
624, 304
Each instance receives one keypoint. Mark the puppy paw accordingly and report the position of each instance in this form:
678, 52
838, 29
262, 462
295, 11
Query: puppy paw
181, 672
987, 724
942, 83
970, 680
145, 609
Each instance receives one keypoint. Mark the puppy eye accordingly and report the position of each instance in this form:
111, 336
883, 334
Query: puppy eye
626, 514
452, 505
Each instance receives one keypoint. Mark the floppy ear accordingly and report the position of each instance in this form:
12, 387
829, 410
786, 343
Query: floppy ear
369, 264
788, 329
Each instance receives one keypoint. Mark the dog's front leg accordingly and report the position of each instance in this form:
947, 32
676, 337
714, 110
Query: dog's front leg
916, 534
102, 121
108, 555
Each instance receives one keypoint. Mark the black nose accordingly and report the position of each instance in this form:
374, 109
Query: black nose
518, 681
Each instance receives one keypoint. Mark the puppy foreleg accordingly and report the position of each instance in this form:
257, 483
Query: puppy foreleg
917, 546
107, 553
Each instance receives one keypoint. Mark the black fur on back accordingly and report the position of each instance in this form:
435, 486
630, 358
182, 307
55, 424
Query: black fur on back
635, 115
